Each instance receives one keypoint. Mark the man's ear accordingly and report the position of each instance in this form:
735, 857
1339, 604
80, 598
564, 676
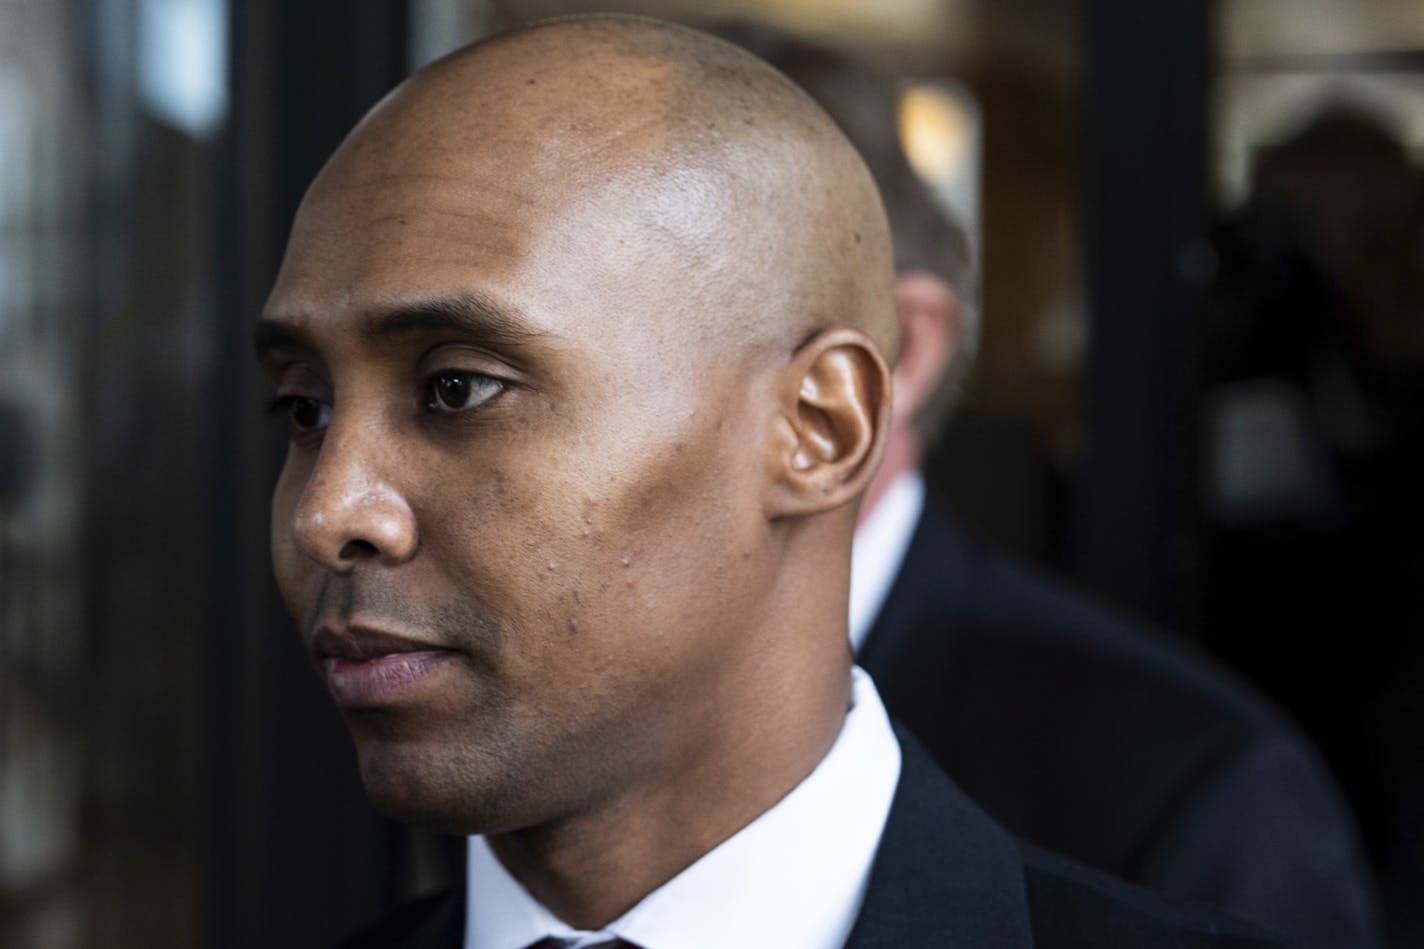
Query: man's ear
834, 418
928, 310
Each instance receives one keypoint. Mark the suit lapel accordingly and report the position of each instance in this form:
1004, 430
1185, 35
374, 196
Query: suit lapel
945, 874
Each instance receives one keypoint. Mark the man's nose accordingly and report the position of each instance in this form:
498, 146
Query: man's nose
350, 511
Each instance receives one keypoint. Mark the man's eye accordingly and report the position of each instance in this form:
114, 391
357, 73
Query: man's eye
455, 391
304, 414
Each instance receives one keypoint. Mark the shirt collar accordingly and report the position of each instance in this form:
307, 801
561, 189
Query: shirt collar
879, 548
795, 877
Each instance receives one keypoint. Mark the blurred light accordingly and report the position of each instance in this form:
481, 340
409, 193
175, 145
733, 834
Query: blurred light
941, 133
935, 133
183, 75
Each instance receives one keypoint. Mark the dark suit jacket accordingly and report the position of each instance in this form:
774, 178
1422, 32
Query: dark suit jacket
946, 875
1093, 738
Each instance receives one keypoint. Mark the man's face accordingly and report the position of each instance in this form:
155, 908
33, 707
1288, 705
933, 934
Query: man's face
519, 513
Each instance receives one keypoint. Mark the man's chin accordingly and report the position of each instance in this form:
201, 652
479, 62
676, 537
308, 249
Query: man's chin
408, 788
440, 792
434, 817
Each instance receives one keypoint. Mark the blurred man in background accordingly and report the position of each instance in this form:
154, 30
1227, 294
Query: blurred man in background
1077, 729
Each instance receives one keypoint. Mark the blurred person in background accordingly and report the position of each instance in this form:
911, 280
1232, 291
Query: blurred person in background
1075, 727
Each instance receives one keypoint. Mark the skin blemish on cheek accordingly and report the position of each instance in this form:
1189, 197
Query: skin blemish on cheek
573, 625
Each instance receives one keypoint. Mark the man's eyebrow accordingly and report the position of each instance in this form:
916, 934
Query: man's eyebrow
471, 315
468, 314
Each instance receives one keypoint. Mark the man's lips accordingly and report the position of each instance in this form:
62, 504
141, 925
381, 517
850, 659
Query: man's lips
367, 668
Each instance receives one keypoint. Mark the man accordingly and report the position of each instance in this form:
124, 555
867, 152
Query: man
1070, 725
579, 340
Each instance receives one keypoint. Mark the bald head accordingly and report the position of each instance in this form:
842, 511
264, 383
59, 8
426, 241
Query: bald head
725, 176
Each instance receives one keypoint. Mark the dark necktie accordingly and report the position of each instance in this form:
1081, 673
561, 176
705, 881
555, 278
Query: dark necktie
549, 942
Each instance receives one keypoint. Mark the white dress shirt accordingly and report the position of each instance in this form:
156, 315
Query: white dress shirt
793, 878
879, 548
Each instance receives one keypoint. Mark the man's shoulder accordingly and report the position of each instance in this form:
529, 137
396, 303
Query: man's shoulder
1087, 733
948, 874
1073, 905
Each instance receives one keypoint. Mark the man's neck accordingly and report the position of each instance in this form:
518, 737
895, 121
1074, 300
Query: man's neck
794, 876
591, 867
